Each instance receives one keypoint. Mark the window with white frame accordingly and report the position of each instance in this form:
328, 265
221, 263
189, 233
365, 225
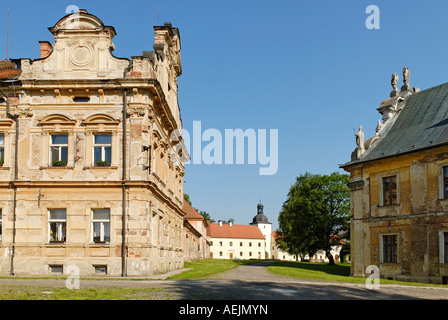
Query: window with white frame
59, 150
102, 149
57, 225
2, 149
101, 225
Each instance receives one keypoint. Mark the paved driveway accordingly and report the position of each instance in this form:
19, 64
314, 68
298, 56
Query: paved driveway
253, 282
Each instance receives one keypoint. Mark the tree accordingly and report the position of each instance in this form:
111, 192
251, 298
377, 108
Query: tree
315, 215
187, 198
206, 216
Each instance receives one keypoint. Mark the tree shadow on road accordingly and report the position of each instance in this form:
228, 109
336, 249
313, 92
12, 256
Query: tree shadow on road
253, 290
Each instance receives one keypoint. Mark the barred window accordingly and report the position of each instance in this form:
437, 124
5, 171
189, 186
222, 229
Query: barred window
390, 249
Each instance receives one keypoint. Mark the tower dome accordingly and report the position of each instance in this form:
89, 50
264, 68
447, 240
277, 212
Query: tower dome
260, 217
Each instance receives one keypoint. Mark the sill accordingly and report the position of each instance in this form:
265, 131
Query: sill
57, 168
56, 243
4, 168
99, 167
389, 205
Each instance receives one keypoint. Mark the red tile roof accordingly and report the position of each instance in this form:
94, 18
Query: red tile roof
8, 70
190, 212
235, 231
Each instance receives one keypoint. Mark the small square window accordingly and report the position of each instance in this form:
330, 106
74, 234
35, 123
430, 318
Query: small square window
100, 269
56, 269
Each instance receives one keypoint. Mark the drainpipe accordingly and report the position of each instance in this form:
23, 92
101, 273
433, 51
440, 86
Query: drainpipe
9, 115
123, 182
123, 189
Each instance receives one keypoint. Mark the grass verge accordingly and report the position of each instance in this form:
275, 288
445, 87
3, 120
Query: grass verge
340, 272
201, 269
22, 292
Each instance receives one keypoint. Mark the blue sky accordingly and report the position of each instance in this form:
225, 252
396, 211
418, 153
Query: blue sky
310, 69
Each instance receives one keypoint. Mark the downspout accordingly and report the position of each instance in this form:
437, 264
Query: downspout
123, 182
123, 189
9, 115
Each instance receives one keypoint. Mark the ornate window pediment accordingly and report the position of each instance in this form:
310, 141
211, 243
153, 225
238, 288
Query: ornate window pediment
101, 119
57, 119
5, 124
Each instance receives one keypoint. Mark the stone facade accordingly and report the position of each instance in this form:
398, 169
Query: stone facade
89, 177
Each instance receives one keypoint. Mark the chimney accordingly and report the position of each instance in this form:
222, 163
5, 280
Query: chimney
230, 224
45, 49
220, 223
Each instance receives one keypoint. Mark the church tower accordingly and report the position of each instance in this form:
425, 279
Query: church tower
261, 221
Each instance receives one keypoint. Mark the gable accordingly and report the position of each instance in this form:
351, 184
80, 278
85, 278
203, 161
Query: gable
82, 49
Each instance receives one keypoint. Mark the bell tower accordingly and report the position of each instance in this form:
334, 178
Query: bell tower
261, 221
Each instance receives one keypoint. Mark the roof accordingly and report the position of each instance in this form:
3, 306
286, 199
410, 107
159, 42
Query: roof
260, 218
422, 124
190, 212
8, 70
238, 231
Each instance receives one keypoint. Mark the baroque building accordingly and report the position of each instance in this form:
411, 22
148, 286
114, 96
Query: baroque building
90, 172
242, 242
196, 240
399, 188
254, 241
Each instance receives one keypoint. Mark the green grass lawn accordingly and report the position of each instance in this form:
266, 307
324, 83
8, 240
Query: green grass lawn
340, 272
201, 269
21, 292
